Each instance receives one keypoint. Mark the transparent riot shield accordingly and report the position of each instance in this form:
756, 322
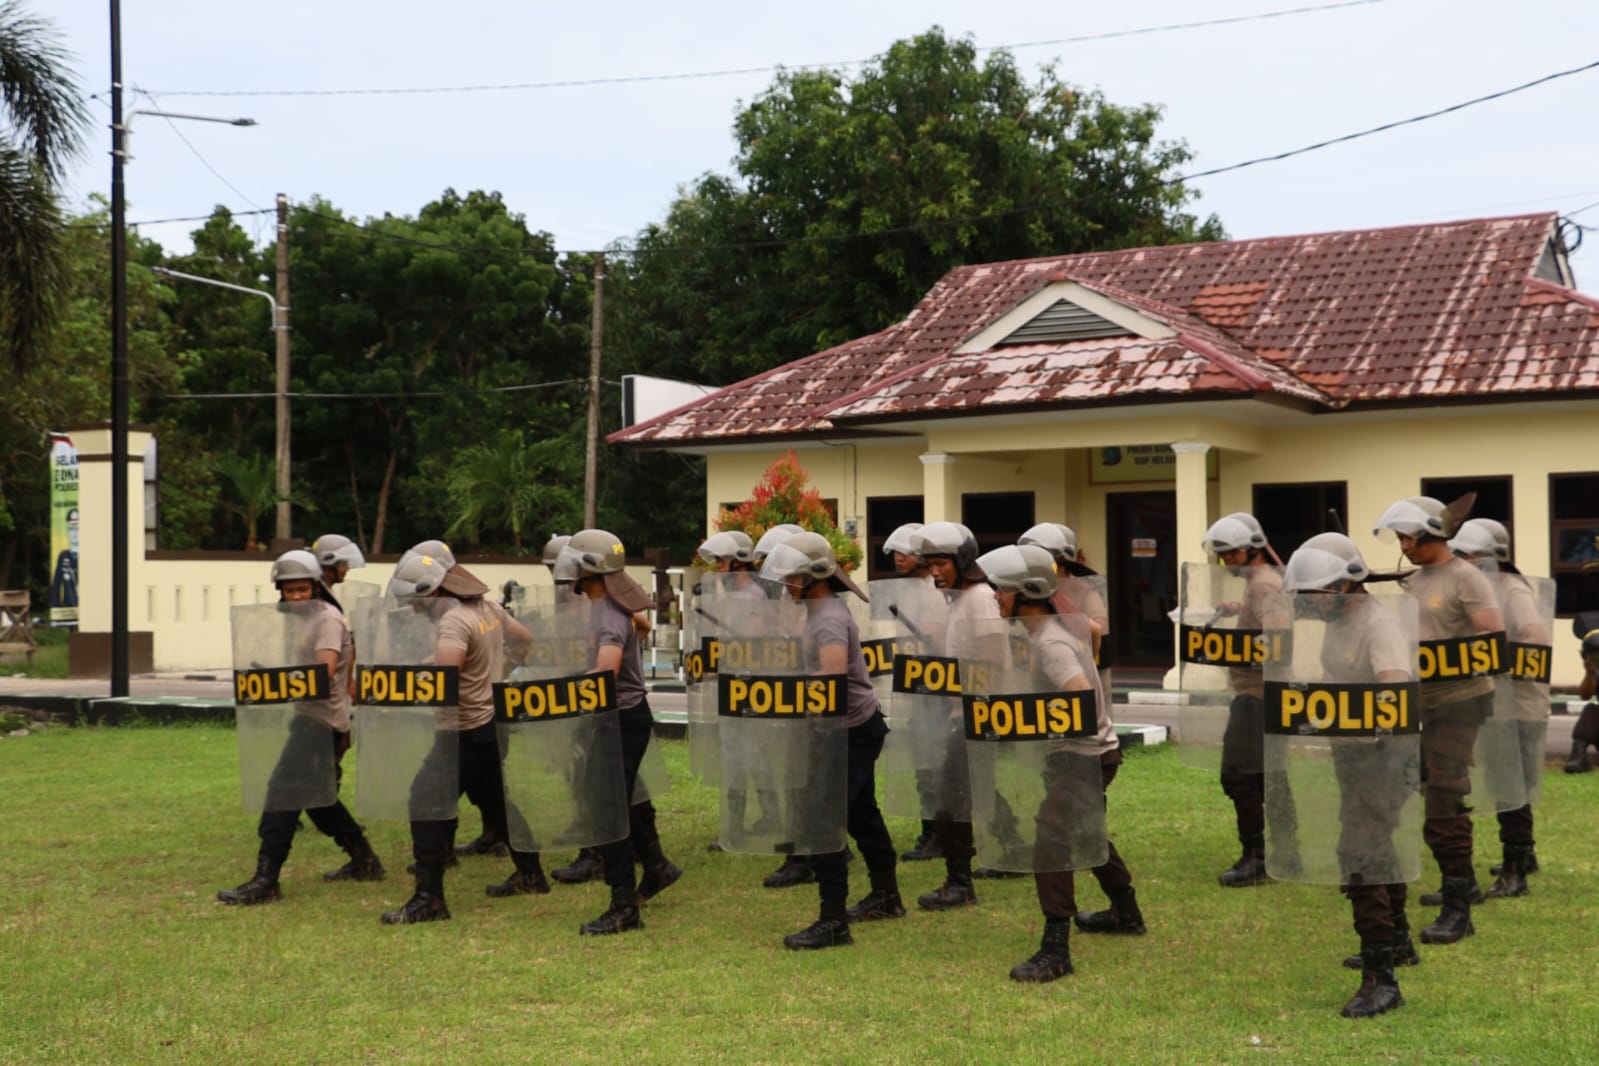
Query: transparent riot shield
1343, 743
351, 593
560, 740
280, 699
708, 616
1226, 626
407, 758
1031, 717
783, 745
1089, 594
923, 702
1507, 771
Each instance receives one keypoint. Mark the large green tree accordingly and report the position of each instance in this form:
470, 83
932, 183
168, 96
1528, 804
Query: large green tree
853, 195
41, 123
431, 333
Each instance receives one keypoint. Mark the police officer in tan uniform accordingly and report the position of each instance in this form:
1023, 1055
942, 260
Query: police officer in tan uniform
1458, 611
326, 636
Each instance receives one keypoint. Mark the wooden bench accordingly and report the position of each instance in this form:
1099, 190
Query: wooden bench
16, 624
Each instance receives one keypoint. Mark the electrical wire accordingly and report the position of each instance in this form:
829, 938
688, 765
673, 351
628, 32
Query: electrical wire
374, 395
163, 221
769, 69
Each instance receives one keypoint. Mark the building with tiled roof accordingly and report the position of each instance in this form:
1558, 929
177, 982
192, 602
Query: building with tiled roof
1136, 395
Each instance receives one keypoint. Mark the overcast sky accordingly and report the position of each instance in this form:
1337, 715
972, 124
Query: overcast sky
593, 163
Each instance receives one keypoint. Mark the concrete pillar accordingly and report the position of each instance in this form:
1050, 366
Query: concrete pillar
940, 500
1193, 508
89, 653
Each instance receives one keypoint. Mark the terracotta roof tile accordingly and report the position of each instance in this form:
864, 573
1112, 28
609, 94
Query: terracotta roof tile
1410, 313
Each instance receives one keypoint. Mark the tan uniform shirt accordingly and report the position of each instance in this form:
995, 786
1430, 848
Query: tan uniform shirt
476, 627
1447, 595
329, 631
1263, 586
1062, 656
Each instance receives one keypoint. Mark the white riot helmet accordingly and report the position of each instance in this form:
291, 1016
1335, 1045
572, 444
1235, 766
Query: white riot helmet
600, 552
773, 537
331, 549
1025, 569
1415, 516
949, 539
1232, 532
297, 565
1325, 561
1060, 541
552, 549
568, 566
434, 549
731, 544
417, 575
900, 539
808, 555
1482, 536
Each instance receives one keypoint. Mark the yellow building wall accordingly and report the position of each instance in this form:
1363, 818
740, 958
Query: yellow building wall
1379, 457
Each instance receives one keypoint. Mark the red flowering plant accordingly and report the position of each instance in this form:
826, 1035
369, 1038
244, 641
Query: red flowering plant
784, 496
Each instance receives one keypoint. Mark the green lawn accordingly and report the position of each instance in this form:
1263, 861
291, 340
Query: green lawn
49, 657
112, 948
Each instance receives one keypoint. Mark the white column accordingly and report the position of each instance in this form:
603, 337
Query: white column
940, 501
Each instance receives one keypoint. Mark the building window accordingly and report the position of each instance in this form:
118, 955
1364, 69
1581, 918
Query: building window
884, 514
1574, 541
996, 518
1493, 496
1293, 513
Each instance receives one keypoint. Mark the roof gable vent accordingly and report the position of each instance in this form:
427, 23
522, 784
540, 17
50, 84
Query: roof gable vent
1065, 321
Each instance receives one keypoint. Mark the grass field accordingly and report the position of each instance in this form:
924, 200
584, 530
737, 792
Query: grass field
112, 948
49, 656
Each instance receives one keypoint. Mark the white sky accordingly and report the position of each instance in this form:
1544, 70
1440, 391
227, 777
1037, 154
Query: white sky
594, 163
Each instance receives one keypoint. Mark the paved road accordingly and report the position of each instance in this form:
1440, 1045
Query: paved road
1141, 708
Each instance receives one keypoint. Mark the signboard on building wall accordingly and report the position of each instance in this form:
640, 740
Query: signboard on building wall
1140, 462
63, 531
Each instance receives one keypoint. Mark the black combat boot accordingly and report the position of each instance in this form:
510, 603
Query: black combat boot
364, 864
1405, 953
1530, 867
955, 892
1577, 761
1379, 988
1122, 917
486, 844
1436, 899
926, 847
1250, 869
1454, 921
588, 866
427, 901
1053, 959
262, 888
831, 930
877, 905
1512, 879
658, 876
620, 917
793, 872
527, 879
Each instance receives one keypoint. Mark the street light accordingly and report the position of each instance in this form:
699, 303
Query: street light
119, 354
280, 329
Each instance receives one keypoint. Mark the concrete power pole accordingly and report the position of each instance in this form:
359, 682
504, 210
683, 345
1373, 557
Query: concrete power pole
591, 453
280, 332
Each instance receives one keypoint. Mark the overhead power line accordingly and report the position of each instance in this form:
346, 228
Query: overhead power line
375, 395
163, 221
769, 69
943, 223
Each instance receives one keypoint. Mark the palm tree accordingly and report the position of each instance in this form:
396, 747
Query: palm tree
254, 481
510, 484
42, 119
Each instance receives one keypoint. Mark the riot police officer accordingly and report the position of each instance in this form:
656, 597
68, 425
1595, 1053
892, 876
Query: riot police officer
809, 572
473, 634
949, 551
614, 598
1459, 615
1239, 543
323, 635
338, 555
907, 564
1025, 582
1363, 644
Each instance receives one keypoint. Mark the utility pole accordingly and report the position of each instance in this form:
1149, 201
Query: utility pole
119, 372
591, 453
280, 331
